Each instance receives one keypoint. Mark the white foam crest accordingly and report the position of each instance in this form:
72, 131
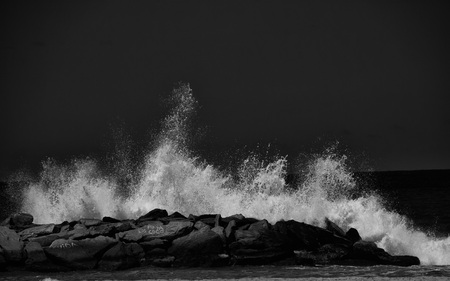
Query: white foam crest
70, 192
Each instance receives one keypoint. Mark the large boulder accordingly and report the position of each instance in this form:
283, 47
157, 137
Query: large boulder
154, 215
11, 245
303, 236
79, 254
334, 228
364, 252
21, 220
122, 256
353, 235
45, 240
35, 231
198, 248
156, 229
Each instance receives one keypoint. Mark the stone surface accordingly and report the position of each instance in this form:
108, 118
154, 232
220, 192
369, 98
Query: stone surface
156, 229
34, 253
353, 235
11, 245
122, 256
198, 248
334, 228
45, 240
79, 254
154, 215
37, 231
21, 219
90, 222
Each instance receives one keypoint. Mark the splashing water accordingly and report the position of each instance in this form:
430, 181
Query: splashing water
173, 179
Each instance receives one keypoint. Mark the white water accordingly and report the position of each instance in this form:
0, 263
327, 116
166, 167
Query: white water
175, 180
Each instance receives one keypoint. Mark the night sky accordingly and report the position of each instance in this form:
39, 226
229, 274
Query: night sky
372, 75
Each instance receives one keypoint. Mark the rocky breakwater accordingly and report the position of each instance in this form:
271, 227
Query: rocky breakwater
163, 240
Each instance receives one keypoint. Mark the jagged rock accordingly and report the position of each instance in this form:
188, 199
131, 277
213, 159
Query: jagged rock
260, 226
164, 261
122, 256
198, 248
156, 229
110, 220
154, 215
90, 222
229, 230
45, 240
303, 236
221, 232
199, 225
369, 252
79, 232
37, 231
327, 254
152, 244
34, 253
79, 254
334, 228
11, 244
211, 219
21, 219
259, 256
353, 235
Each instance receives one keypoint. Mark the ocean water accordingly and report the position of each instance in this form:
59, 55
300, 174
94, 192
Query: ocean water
172, 177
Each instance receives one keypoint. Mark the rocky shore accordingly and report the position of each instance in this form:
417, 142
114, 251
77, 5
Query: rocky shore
163, 240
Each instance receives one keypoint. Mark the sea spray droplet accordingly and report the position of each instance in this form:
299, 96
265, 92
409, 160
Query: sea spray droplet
173, 179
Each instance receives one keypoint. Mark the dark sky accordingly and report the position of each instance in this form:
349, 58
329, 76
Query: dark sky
373, 75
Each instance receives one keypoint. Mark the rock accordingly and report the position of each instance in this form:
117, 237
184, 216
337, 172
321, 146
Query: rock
79, 254
221, 232
325, 255
34, 253
211, 219
303, 236
199, 225
353, 235
258, 257
369, 252
79, 232
11, 244
164, 262
122, 256
45, 240
21, 219
90, 222
198, 248
154, 215
334, 228
229, 230
110, 220
156, 229
37, 231
152, 244
260, 226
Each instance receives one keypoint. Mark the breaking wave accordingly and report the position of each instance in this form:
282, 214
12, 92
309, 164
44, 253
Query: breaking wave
173, 179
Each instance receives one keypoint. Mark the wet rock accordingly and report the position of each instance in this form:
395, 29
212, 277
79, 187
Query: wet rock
325, 255
45, 240
21, 219
154, 215
334, 228
156, 229
303, 236
229, 230
79, 232
199, 225
34, 253
166, 261
221, 232
90, 222
79, 254
353, 235
211, 219
37, 231
368, 251
11, 244
198, 248
110, 220
122, 256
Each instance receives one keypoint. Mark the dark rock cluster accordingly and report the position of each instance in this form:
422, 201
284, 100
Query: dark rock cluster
163, 240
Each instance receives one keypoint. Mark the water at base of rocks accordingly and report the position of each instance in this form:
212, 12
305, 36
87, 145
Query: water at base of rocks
249, 273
